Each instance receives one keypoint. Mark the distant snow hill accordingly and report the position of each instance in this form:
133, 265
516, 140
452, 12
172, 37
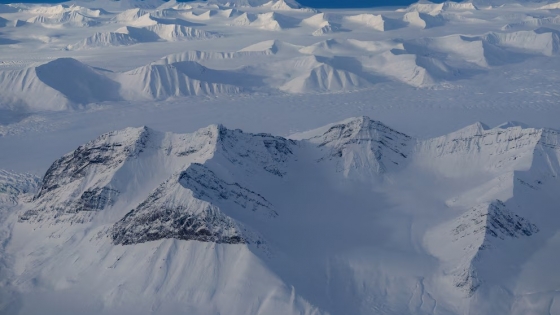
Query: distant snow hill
224, 221
327, 66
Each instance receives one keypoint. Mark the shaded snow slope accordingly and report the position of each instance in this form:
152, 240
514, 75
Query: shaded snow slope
59, 84
219, 198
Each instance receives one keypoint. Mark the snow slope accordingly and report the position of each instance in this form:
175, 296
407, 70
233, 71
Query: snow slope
59, 84
412, 214
164, 80
271, 21
219, 202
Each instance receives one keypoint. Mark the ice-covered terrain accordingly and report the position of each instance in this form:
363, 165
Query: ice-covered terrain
260, 157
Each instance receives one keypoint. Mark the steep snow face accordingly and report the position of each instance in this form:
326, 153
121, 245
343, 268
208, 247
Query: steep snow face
161, 81
79, 183
477, 149
177, 210
324, 77
313, 73
363, 148
470, 236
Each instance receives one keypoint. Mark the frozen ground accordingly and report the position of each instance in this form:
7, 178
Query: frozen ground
421, 217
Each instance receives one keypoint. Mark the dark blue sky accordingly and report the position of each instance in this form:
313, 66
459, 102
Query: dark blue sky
309, 3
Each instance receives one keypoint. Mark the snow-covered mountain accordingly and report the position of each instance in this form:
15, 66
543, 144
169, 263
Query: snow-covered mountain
420, 216
186, 220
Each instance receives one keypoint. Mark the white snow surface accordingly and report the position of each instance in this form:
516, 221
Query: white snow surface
260, 157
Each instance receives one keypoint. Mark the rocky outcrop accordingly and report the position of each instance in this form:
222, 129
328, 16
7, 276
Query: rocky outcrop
78, 181
187, 207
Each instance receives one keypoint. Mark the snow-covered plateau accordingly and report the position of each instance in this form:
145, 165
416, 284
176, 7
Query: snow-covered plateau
255, 157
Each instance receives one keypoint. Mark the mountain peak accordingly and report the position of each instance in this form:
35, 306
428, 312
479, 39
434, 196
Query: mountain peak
363, 147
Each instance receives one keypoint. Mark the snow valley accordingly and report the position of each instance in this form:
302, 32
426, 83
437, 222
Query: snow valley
253, 157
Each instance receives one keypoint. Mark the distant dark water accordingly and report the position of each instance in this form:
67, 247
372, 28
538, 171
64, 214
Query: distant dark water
307, 3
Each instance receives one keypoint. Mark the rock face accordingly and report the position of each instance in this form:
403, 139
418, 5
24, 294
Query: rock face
185, 207
163, 215
493, 221
79, 181
479, 229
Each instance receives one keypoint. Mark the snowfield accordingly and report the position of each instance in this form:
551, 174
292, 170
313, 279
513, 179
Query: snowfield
259, 157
